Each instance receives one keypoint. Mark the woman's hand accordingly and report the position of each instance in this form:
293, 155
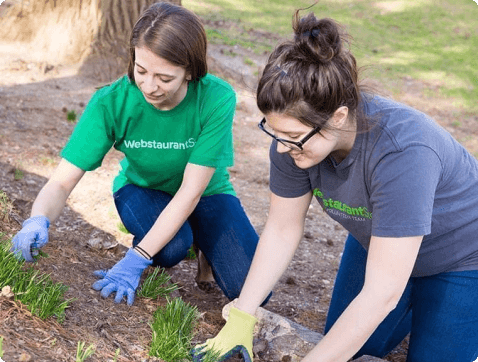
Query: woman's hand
123, 278
234, 337
33, 236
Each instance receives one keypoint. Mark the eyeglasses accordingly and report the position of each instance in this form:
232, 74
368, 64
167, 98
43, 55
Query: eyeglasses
288, 143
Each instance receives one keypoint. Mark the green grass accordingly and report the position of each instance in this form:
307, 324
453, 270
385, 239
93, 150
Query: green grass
429, 40
82, 354
18, 174
173, 329
71, 116
191, 255
157, 285
1, 346
122, 228
40, 295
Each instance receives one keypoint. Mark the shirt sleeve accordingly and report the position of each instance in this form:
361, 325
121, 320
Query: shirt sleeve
402, 194
286, 179
214, 147
92, 137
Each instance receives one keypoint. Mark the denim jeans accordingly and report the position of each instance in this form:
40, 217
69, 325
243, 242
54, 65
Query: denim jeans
218, 226
440, 312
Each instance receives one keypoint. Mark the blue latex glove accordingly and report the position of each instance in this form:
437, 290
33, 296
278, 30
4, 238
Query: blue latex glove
123, 278
32, 236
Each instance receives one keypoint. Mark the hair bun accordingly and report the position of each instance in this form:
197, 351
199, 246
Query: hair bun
319, 40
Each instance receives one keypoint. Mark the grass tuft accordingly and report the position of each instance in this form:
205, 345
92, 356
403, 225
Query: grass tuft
155, 285
173, 329
41, 296
82, 353
71, 116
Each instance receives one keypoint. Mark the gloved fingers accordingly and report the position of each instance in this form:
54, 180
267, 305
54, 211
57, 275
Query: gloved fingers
130, 297
197, 353
120, 294
22, 252
200, 351
42, 239
100, 284
26, 253
108, 289
100, 273
238, 349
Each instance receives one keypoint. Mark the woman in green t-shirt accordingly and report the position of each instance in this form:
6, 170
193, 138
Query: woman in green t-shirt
173, 122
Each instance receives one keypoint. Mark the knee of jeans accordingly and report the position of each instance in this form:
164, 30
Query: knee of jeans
171, 254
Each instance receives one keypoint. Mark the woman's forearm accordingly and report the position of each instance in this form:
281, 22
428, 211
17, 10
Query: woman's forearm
50, 201
273, 255
281, 236
52, 197
169, 222
195, 180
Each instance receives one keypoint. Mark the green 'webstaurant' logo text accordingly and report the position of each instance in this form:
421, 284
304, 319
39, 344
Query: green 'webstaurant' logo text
340, 206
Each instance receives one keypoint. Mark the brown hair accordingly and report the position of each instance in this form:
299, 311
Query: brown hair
173, 33
310, 77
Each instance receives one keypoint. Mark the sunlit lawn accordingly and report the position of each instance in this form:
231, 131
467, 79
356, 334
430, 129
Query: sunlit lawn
430, 40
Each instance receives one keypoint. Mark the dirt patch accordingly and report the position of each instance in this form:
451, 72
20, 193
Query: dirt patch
34, 128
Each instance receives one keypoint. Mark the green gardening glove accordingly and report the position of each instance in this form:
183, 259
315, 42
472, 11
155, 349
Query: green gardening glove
234, 337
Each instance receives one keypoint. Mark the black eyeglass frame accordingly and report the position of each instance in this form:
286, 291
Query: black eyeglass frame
288, 143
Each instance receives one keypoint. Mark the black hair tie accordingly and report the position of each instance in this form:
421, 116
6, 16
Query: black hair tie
314, 33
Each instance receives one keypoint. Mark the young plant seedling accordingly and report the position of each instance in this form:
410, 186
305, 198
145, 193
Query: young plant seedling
81, 354
155, 285
173, 329
71, 116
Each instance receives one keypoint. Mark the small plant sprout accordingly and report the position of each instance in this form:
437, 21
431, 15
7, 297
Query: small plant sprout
1, 346
81, 354
155, 285
191, 254
122, 228
71, 116
116, 355
18, 174
248, 61
173, 329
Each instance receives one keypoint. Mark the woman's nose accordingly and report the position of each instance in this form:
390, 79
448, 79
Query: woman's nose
149, 85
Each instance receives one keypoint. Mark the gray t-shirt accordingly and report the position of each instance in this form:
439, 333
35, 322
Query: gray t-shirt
407, 176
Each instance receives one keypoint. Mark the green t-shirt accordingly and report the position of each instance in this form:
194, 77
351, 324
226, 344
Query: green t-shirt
158, 144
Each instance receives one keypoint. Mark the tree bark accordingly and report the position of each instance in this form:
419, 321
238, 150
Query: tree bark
94, 32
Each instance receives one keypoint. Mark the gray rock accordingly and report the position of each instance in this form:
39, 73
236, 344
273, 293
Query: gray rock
277, 338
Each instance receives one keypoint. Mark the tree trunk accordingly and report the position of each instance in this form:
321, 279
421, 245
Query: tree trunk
95, 32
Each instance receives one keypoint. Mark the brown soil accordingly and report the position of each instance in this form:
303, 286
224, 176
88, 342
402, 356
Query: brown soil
34, 128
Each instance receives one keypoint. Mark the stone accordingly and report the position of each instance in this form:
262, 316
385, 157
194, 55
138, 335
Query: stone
277, 338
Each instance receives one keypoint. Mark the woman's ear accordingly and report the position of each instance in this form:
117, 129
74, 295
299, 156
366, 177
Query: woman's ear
188, 77
339, 119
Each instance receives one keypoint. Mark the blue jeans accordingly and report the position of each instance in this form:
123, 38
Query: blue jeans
218, 226
440, 312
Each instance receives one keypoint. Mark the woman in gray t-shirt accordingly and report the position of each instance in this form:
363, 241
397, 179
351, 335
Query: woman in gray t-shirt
398, 182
